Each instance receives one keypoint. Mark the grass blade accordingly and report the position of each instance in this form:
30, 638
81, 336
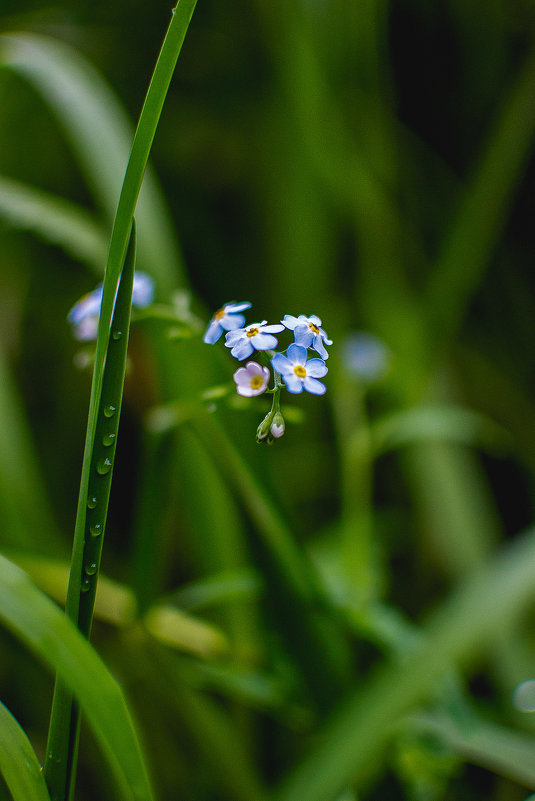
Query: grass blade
54, 219
42, 626
90, 524
99, 133
106, 395
19, 765
486, 604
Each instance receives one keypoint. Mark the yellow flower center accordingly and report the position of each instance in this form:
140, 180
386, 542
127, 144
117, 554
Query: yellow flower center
219, 314
300, 371
252, 332
256, 382
314, 328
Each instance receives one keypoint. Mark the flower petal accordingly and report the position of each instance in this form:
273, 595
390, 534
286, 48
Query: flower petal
281, 364
319, 347
297, 354
231, 308
233, 337
273, 329
242, 349
231, 321
213, 332
142, 290
289, 321
303, 335
314, 386
294, 384
316, 368
263, 341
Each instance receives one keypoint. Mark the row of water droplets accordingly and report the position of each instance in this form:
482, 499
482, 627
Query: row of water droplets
103, 467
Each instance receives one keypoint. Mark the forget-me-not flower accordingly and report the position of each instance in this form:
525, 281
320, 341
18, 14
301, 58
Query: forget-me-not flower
366, 356
251, 380
85, 314
227, 318
298, 373
257, 336
308, 332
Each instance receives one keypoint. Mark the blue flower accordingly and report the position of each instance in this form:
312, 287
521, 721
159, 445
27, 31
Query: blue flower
85, 314
308, 332
298, 373
226, 319
257, 336
366, 356
142, 290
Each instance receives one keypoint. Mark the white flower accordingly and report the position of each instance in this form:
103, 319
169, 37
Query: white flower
251, 380
257, 336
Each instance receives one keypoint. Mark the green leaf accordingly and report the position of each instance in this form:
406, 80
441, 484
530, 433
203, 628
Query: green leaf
100, 134
43, 627
19, 765
484, 606
54, 219
435, 423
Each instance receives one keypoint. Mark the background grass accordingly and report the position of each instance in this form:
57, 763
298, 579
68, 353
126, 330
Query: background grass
347, 613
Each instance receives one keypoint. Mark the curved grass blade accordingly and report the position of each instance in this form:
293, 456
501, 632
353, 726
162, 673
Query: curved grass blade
90, 524
19, 765
42, 626
100, 134
484, 606
108, 375
54, 219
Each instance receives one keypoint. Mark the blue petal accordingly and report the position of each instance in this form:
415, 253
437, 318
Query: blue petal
281, 364
319, 347
213, 332
289, 321
232, 321
264, 341
314, 386
294, 384
297, 354
273, 329
317, 368
242, 349
231, 308
303, 335
233, 337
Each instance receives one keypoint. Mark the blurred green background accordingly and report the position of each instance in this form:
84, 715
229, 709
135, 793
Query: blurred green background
362, 160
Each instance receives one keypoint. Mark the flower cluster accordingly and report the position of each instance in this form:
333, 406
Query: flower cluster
292, 370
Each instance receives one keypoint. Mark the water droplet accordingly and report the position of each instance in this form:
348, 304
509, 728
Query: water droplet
95, 530
104, 466
91, 502
109, 410
524, 696
117, 334
108, 439
91, 568
86, 585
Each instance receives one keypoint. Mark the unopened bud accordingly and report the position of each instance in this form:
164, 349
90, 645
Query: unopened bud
277, 426
262, 432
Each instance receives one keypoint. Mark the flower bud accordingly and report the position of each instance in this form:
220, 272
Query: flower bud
262, 432
277, 426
